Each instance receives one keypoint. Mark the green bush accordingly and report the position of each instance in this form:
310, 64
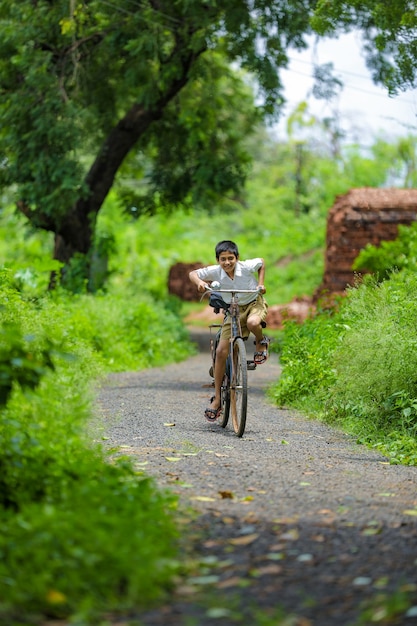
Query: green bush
357, 367
109, 541
376, 385
81, 533
390, 256
305, 355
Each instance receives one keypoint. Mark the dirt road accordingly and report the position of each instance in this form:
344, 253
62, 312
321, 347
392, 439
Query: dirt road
294, 516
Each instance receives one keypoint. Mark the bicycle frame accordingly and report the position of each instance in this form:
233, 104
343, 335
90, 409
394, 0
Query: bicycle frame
234, 385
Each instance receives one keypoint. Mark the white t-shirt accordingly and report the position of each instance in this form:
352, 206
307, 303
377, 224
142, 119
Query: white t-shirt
246, 277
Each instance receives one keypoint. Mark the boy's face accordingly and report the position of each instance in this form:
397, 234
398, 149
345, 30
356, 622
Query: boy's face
227, 261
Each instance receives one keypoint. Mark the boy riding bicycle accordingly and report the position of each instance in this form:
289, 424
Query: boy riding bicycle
232, 273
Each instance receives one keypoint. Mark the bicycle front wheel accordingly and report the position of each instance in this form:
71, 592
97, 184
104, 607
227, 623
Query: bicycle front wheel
239, 387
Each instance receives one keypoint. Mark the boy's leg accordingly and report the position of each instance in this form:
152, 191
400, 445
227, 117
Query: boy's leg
219, 370
255, 317
212, 412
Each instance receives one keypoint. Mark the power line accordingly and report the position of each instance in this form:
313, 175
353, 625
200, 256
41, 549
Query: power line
362, 76
353, 88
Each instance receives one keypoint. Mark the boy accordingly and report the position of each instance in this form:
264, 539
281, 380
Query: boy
233, 273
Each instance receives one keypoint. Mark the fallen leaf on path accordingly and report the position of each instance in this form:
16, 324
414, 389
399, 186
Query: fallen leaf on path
172, 459
235, 581
204, 499
212, 543
169, 424
218, 454
284, 442
186, 590
275, 556
218, 611
291, 535
372, 528
203, 580
245, 540
226, 494
410, 512
286, 520
362, 581
267, 570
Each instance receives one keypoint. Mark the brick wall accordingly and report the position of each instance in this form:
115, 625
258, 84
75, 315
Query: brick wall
359, 217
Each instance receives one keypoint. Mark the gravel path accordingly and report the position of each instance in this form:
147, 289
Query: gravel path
293, 515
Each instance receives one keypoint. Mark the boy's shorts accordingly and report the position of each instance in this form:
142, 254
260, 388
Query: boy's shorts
256, 307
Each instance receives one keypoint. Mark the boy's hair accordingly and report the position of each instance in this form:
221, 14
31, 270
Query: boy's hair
226, 246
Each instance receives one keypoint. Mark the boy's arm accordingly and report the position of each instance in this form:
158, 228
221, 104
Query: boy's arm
201, 285
261, 277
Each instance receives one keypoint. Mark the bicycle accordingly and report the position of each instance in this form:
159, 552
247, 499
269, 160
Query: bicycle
234, 387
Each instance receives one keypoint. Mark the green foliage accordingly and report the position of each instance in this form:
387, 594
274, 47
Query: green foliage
108, 543
77, 77
81, 533
18, 362
198, 148
360, 366
389, 33
305, 355
390, 256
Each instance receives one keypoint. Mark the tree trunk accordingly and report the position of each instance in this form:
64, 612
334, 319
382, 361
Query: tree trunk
75, 233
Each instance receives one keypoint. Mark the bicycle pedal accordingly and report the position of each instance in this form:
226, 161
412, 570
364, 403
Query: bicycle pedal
251, 365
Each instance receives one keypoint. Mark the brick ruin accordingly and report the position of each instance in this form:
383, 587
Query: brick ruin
359, 217
179, 283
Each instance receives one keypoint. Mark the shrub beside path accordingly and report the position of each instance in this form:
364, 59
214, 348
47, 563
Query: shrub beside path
295, 516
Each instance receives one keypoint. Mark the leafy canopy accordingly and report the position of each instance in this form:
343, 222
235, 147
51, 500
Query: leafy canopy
389, 31
71, 72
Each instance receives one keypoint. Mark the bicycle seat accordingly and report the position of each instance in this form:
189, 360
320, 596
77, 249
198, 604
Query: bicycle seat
217, 302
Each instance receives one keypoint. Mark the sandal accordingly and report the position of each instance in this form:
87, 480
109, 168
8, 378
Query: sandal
261, 357
212, 414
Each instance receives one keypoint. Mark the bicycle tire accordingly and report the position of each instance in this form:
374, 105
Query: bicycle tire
239, 387
225, 395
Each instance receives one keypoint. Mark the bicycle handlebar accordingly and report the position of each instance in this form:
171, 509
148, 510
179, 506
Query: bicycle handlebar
257, 290
232, 291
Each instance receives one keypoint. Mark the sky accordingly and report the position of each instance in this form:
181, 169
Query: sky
364, 109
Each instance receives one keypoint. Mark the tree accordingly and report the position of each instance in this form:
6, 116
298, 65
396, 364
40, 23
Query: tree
389, 29
94, 89
83, 85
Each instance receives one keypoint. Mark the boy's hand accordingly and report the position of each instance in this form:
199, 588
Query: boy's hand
261, 289
202, 286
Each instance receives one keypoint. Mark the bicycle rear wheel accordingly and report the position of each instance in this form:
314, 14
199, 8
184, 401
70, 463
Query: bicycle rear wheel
239, 387
225, 395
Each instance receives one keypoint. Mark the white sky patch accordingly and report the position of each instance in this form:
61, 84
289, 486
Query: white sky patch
364, 109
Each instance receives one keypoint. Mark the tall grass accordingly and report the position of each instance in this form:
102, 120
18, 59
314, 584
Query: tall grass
357, 368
